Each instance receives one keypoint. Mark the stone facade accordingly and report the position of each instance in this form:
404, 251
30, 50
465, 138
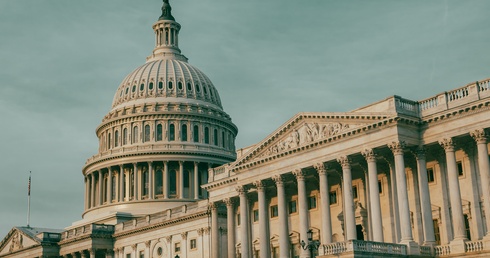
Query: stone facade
394, 178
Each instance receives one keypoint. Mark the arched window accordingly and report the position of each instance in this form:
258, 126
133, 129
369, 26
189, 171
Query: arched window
172, 184
223, 139
215, 137
125, 136
171, 132
196, 133
116, 138
183, 133
131, 185
159, 182
108, 140
159, 132
124, 185
135, 134
104, 191
189, 86
147, 133
127, 90
170, 85
144, 184
198, 89
206, 135
160, 85
113, 183
150, 86
180, 86
134, 88
142, 87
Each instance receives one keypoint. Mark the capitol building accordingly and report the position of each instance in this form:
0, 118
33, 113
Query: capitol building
396, 178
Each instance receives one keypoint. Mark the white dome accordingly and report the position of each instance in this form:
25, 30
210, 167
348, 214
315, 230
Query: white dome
166, 80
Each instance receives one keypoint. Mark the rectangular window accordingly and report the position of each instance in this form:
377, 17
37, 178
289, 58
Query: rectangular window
238, 219
380, 186
177, 247
256, 215
460, 168
274, 211
311, 202
354, 192
333, 197
430, 175
292, 207
193, 244
142, 254
128, 255
437, 232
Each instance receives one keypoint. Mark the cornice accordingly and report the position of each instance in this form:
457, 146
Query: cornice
192, 216
222, 182
457, 112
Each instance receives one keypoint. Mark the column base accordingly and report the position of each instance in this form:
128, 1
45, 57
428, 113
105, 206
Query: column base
458, 246
412, 247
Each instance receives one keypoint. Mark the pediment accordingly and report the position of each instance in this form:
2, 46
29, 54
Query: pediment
309, 128
16, 240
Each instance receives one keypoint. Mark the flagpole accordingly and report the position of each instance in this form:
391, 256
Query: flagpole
29, 200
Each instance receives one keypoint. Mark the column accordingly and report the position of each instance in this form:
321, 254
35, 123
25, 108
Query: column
402, 192
165, 179
109, 254
151, 178
326, 232
121, 183
101, 183
181, 180
425, 203
87, 190
214, 230
184, 244
196, 180
376, 217
283, 217
264, 233
302, 210
349, 216
230, 225
135, 179
246, 245
455, 192
92, 253
484, 167
169, 244
109, 186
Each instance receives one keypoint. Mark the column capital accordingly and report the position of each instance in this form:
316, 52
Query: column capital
147, 243
183, 235
369, 155
447, 144
260, 185
299, 174
278, 179
200, 231
229, 201
397, 147
241, 189
344, 161
479, 135
91, 251
320, 168
168, 238
212, 206
181, 162
419, 152
150, 163
196, 163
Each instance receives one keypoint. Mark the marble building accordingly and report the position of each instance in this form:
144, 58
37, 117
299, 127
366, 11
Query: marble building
395, 178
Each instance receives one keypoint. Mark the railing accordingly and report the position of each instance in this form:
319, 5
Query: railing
457, 94
442, 250
475, 246
483, 85
428, 103
426, 250
364, 246
407, 105
88, 229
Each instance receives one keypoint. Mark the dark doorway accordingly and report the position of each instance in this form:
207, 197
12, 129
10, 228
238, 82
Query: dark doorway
360, 234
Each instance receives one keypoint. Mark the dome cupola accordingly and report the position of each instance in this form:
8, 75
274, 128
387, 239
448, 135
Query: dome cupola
165, 129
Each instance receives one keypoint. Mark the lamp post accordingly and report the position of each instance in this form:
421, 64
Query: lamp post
312, 245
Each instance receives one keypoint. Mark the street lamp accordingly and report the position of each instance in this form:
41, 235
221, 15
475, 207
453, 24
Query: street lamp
312, 245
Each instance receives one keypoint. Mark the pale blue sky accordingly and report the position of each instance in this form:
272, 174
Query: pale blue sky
61, 62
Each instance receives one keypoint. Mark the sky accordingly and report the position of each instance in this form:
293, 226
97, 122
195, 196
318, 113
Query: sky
61, 62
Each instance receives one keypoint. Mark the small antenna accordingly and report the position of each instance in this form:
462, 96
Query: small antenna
29, 200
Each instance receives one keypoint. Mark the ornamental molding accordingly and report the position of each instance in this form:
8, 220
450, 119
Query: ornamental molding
309, 130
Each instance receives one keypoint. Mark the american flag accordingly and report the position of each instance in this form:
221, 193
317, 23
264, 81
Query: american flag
29, 185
